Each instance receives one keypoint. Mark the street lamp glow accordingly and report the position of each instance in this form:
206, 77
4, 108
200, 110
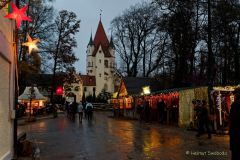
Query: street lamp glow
146, 90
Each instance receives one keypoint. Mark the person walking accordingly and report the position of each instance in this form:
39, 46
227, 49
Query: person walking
147, 111
140, 110
80, 111
203, 119
73, 110
234, 131
89, 108
160, 107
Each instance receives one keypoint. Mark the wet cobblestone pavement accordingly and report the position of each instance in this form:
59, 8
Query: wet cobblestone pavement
112, 139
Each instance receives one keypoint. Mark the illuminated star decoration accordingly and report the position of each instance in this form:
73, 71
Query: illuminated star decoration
18, 15
31, 44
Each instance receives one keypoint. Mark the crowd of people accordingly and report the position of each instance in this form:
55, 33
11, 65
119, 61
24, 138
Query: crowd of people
147, 113
80, 109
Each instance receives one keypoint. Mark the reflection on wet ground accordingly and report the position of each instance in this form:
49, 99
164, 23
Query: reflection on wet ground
112, 139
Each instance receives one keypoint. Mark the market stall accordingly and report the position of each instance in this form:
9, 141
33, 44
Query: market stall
130, 91
222, 98
171, 106
32, 99
177, 103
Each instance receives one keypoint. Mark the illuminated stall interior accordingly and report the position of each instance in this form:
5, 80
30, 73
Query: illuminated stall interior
131, 89
36, 99
222, 98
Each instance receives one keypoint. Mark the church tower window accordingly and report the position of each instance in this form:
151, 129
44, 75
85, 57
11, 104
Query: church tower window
106, 63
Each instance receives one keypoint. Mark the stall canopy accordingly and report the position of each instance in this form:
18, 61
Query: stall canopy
26, 94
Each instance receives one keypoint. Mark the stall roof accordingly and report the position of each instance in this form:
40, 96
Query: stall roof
134, 85
26, 94
176, 89
44, 79
225, 88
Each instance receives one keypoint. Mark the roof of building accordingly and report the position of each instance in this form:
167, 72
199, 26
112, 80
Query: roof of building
90, 41
101, 39
134, 85
44, 79
36, 95
111, 43
88, 80
100, 36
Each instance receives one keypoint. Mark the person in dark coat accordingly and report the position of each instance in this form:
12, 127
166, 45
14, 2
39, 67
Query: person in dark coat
147, 111
140, 110
203, 119
160, 107
234, 131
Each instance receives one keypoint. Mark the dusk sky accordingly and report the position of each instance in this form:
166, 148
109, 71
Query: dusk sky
88, 11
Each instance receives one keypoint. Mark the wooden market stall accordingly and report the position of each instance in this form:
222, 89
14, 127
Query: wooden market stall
222, 98
131, 90
178, 107
32, 99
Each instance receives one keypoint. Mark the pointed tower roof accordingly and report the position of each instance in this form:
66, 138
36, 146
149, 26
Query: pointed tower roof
100, 36
111, 43
101, 39
90, 41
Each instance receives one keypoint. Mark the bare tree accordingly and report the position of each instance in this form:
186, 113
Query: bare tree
137, 39
67, 25
41, 27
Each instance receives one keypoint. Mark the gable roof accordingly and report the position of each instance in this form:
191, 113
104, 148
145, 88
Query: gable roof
88, 80
101, 39
134, 84
44, 79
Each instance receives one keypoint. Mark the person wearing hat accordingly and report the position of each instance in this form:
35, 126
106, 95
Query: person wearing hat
235, 126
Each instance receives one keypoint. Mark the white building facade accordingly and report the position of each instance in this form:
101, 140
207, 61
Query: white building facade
101, 60
7, 86
73, 91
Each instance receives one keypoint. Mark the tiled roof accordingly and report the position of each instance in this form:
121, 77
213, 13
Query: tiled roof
88, 80
100, 36
134, 84
101, 39
44, 79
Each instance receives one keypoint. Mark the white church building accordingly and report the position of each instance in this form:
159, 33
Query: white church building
101, 61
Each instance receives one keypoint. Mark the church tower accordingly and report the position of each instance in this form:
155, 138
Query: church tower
101, 60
